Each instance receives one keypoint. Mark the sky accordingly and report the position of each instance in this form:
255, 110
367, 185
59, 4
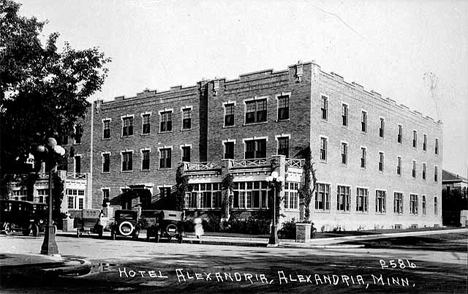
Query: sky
412, 51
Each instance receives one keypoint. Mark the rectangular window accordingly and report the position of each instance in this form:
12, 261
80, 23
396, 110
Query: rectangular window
398, 203
415, 139
71, 202
105, 162
436, 147
256, 111
424, 171
344, 114
362, 199
77, 164
78, 133
344, 153
413, 204
283, 107
228, 150
322, 197
324, 107
146, 126
106, 129
424, 204
186, 153
80, 203
283, 146
291, 196
229, 114
127, 164
127, 126
381, 161
323, 148
413, 170
398, 168
165, 158
436, 207
252, 195
186, 118
166, 121
380, 200
255, 149
400, 134
364, 121
145, 160
424, 142
342, 198
382, 127
363, 157
105, 195
436, 172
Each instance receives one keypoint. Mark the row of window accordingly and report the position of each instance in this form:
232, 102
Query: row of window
165, 123
254, 148
364, 126
343, 201
255, 112
363, 160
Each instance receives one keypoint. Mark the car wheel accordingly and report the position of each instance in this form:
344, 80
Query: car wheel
27, 231
8, 230
35, 230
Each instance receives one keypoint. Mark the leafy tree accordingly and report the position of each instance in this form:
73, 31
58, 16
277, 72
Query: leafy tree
307, 190
43, 92
181, 188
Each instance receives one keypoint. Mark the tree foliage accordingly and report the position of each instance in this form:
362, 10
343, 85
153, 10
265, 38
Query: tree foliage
307, 190
43, 91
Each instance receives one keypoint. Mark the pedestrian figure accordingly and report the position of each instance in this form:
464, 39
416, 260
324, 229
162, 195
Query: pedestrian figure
198, 227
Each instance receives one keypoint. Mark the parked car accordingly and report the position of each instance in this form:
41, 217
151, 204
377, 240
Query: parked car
91, 221
167, 224
126, 223
24, 216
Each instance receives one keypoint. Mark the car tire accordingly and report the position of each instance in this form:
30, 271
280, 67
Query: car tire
7, 227
27, 231
35, 230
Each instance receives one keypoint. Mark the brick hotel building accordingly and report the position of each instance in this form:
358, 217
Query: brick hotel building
378, 164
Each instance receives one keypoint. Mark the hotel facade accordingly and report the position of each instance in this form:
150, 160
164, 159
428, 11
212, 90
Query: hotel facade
378, 164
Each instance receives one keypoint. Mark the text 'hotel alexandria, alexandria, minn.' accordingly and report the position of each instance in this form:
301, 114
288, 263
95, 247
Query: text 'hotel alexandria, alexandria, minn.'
378, 164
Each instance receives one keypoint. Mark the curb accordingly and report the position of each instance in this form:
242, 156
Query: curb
83, 268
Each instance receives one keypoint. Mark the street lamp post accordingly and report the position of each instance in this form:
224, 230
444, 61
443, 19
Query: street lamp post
49, 246
273, 242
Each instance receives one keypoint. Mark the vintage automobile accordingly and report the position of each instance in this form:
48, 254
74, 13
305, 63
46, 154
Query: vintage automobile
25, 216
126, 223
91, 221
167, 224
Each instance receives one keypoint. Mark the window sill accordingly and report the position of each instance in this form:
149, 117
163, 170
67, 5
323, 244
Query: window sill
322, 211
362, 212
107, 172
228, 127
255, 123
343, 212
145, 134
128, 136
186, 130
323, 161
127, 171
145, 170
380, 213
165, 132
283, 120
106, 139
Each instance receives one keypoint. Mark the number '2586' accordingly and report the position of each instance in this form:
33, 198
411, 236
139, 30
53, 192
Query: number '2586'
397, 263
